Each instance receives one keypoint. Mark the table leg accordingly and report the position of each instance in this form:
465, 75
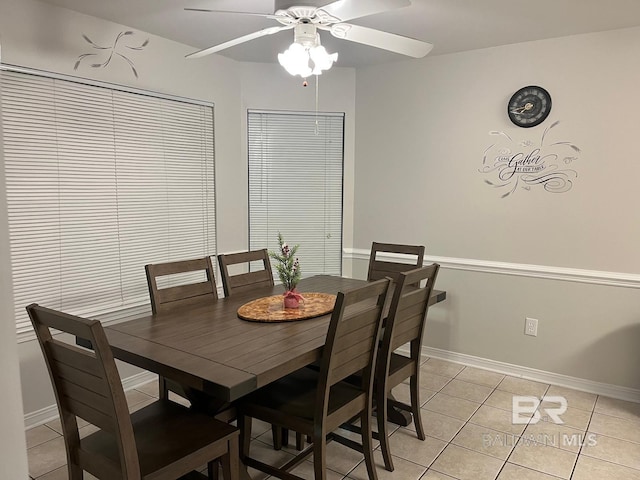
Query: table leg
395, 415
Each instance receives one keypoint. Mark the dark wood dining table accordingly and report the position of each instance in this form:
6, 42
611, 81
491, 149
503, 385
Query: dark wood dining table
210, 349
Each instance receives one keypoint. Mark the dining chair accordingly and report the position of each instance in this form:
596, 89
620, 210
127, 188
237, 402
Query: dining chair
163, 440
249, 279
379, 268
202, 290
316, 402
405, 323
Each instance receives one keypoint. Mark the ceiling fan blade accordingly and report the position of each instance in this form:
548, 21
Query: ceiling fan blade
265, 15
350, 9
239, 40
377, 38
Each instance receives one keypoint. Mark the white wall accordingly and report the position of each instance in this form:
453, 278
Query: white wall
13, 458
423, 127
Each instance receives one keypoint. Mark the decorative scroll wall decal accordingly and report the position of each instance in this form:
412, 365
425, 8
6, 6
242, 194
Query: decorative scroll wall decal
527, 164
105, 54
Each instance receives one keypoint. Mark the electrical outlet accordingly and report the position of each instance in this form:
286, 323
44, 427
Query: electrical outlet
531, 326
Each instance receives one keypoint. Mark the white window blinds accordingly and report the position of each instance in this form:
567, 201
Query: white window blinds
101, 182
295, 186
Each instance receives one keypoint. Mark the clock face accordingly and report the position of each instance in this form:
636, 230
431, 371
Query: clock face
529, 106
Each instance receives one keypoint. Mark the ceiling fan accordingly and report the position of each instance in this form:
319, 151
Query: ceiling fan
306, 56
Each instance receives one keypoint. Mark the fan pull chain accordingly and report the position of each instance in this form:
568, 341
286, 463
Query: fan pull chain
317, 130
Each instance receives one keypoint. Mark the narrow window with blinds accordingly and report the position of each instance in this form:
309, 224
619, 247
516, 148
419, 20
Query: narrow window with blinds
295, 185
99, 183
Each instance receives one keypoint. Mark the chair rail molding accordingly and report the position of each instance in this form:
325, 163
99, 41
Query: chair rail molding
597, 277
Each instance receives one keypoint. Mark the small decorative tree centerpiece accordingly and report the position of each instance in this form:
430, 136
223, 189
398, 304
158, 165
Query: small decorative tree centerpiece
288, 268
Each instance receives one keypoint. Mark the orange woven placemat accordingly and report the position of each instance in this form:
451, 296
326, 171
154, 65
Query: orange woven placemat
271, 309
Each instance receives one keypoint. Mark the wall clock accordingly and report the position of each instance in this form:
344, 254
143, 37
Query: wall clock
529, 106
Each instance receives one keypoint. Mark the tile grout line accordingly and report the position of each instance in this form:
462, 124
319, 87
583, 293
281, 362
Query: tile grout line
586, 432
519, 439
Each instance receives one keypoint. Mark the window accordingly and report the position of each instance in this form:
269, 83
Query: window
101, 182
295, 185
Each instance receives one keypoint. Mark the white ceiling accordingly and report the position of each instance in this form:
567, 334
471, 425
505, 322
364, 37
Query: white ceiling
451, 25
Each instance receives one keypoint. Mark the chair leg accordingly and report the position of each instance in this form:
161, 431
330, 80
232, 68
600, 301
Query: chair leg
367, 444
212, 470
75, 472
231, 461
285, 437
276, 434
163, 393
320, 457
382, 408
299, 441
415, 406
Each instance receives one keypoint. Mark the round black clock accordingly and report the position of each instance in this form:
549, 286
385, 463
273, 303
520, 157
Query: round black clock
529, 106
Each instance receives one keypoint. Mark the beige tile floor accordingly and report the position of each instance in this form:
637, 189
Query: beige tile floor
467, 416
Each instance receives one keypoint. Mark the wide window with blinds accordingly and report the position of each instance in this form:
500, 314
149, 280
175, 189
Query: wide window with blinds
99, 183
295, 185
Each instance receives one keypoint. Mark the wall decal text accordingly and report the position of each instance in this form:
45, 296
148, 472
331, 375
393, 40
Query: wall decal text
508, 164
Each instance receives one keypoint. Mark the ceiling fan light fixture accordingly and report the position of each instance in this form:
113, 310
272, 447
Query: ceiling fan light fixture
295, 60
322, 60
305, 60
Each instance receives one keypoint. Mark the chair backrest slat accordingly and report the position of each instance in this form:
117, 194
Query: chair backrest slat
384, 268
79, 376
348, 368
179, 296
245, 281
75, 357
184, 292
353, 342
409, 317
87, 411
353, 332
407, 314
81, 384
67, 323
404, 337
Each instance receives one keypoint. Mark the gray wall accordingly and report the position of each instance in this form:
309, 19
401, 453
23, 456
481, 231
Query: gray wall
422, 131
411, 176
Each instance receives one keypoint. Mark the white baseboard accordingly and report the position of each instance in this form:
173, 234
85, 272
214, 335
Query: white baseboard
605, 389
47, 414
